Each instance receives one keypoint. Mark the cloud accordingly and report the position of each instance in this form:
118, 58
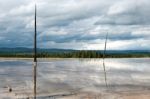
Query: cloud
77, 24
127, 12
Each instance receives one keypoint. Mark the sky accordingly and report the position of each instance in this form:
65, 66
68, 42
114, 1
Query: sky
76, 24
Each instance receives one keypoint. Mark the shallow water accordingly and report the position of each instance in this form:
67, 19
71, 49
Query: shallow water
77, 75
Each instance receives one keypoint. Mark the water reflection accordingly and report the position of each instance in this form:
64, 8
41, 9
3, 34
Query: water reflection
98, 61
105, 73
66, 76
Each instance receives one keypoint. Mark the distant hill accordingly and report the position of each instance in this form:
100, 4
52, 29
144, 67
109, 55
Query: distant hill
30, 50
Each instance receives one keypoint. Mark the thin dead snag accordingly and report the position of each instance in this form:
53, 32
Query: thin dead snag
35, 58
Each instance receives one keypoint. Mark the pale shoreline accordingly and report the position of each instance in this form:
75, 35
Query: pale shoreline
83, 95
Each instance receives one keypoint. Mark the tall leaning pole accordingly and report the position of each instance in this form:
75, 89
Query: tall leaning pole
104, 53
35, 57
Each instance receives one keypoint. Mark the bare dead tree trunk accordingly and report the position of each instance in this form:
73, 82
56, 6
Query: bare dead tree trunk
104, 61
35, 57
105, 46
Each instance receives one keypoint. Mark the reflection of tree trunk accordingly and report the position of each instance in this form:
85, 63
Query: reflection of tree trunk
105, 73
35, 58
34, 78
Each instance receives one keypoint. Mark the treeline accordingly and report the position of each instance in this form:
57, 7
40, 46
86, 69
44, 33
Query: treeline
74, 54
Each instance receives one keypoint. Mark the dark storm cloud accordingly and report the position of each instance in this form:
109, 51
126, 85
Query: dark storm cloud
86, 38
73, 23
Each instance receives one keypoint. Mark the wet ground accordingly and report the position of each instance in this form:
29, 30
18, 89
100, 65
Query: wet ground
125, 78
